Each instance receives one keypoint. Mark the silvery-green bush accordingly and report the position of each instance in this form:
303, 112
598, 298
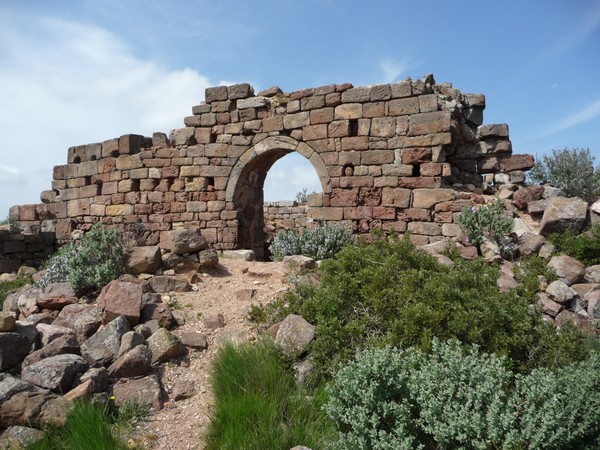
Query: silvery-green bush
99, 258
88, 265
322, 242
458, 397
57, 267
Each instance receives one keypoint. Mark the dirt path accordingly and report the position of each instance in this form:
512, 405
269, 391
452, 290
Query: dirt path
181, 424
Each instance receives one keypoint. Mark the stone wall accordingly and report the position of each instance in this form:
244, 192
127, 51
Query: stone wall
29, 246
285, 215
403, 156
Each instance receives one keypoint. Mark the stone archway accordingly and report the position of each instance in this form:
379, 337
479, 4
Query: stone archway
245, 186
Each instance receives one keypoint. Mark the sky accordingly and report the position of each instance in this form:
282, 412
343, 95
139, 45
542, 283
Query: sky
74, 72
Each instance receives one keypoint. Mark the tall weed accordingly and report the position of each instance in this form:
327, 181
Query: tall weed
258, 404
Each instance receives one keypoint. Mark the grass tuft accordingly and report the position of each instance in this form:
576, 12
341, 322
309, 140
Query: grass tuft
258, 404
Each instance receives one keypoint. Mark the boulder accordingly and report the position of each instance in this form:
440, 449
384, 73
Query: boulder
490, 250
194, 340
567, 269
134, 363
29, 331
98, 376
183, 389
19, 436
244, 255
159, 312
163, 283
130, 340
104, 345
505, 283
298, 262
549, 307
42, 317
559, 292
48, 333
28, 301
11, 304
530, 243
551, 191
245, 295
214, 321
520, 227
143, 260
57, 296
7, 321
524, 196
165, 346
81, 391
563, 214
55, 372
536, 208
62, 345
208, 258
179, 263
569, 316
139, 390
21, 403
83, 319
183, 240
592, 274
14, 347
121, 298
294, 335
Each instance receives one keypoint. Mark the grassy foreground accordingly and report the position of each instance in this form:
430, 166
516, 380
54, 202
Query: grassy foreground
258, 404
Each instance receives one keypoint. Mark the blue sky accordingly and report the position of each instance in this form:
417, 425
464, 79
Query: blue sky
75, 72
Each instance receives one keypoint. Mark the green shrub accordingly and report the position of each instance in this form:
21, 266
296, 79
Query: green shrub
88, 427
99, 258
6, 287
571, 170
584, 247
489, 220
89, 265
322, 242
457, 397
389, 293
258, 404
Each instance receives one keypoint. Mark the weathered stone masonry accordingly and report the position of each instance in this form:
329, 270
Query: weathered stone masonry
404, 156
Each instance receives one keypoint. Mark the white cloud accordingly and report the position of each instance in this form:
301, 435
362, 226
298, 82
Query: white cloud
64, 83
392, 69
588, 25
290, 175
9, 174
587, 113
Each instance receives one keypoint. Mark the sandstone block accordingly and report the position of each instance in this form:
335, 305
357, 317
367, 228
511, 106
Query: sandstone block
563, 213
403, 106
427, 198
348, 111
396, 197
429, 123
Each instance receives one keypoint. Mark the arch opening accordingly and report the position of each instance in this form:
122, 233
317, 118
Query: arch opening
249, 197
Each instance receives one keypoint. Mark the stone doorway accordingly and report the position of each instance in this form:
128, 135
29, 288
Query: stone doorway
245, 188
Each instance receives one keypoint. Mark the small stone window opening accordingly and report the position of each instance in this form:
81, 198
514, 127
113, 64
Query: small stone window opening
416, 170
353, 128
210, 183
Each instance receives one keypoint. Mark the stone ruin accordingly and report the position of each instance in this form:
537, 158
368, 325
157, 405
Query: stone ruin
407, 156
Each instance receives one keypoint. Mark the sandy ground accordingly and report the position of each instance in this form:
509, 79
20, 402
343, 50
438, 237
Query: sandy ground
181, 424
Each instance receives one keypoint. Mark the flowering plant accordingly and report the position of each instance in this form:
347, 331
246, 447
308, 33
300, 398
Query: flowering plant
489, 220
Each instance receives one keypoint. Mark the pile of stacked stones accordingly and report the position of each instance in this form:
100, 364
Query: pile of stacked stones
538, 212
56, 346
